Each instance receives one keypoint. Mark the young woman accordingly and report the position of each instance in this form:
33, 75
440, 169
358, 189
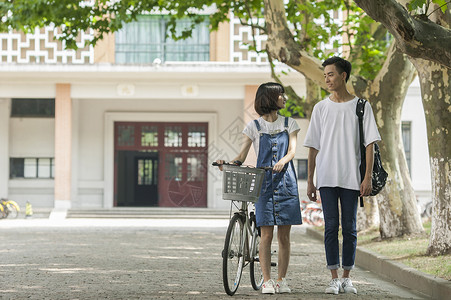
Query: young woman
274, 138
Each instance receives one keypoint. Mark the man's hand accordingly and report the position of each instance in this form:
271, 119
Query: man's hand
311, 192
366, 187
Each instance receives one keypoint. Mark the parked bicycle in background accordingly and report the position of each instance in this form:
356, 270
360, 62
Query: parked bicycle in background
9, 209
312, 212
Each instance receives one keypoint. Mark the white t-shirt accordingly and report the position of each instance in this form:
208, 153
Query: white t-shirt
268, 127
334, 132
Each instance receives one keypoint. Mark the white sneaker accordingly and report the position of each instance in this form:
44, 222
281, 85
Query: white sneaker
282, 287
334, 287
347, 286
268, 287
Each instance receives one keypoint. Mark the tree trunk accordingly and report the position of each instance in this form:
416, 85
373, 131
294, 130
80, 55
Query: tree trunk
368, 216
313, 96
397, 202
436, 93
416, 35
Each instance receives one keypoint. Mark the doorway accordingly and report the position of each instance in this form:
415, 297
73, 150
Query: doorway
160, 164
137, 183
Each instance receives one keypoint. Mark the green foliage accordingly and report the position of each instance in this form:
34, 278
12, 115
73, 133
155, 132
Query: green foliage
312, 35
72, 16
443, 4
292, 109
416, 4
424, 6
366, 51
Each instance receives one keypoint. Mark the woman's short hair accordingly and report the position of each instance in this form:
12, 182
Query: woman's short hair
341, 64
267, 96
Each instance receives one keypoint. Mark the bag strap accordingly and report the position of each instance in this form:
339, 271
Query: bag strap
360, 110
286, 123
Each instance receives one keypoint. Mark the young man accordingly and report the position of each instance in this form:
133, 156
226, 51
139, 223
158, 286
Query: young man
333, 141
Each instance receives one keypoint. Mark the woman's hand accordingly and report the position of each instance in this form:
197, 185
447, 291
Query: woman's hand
278, 167
220, 162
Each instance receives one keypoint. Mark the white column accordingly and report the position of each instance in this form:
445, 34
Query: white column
4, 147
249, 115
63, 150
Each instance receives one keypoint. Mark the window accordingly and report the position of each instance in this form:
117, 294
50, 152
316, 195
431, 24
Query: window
146, 39
174, 167
196, 170
302, 169
31, 168
33, 108
406, 130
173, 136
149, 136
197, 136
147, 172
125, 135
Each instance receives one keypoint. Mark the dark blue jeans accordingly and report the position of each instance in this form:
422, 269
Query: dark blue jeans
348, 203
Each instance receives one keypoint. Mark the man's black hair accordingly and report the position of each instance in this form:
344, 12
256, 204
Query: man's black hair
341, 64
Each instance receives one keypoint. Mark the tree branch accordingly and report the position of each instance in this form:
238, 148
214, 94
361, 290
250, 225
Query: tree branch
415, 36
282, 46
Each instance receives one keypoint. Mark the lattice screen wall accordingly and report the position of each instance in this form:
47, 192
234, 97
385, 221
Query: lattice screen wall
40, 47
241, 38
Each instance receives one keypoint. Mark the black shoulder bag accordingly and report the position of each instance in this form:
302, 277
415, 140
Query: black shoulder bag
379, 176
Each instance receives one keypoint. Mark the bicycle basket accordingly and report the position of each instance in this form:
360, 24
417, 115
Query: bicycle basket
242, 184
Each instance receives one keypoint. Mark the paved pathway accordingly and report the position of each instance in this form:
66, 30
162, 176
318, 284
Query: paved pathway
149, 259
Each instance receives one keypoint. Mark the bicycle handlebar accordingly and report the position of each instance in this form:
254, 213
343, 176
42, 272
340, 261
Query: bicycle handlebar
237, 163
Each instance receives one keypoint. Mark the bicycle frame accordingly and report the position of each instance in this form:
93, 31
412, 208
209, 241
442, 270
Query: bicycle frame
248, 232
241, 184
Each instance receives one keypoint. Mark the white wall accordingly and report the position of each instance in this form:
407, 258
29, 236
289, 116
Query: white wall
29, 137
91, 137
4, 146
32, 137
413, 111
217, 89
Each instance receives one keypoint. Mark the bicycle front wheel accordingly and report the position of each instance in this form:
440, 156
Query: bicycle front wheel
233, 255
254, 266
13, 212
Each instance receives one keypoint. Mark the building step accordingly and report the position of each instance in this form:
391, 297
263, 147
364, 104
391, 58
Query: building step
146, 212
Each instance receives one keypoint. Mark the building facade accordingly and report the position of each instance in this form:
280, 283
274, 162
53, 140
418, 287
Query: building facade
137, 120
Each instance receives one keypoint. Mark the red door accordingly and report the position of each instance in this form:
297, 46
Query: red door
179, 156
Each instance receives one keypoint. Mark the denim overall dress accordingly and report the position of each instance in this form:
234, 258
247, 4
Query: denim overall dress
278, 203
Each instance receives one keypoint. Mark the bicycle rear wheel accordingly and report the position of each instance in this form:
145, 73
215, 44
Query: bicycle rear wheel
254, 266
233, 255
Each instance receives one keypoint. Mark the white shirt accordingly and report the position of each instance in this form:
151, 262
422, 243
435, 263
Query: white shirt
334, 132
268, 127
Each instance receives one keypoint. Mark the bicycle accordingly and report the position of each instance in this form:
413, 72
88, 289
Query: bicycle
9, 208
241, 184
